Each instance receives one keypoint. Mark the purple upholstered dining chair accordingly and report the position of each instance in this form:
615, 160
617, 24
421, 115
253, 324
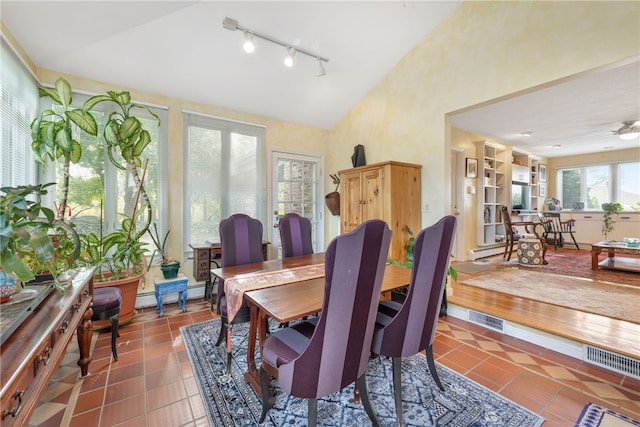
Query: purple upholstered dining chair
241, 243
295, 235
318, 357
406, 329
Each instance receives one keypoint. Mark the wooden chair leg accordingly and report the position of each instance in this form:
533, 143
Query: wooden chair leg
114, 335
362, 385
432, 367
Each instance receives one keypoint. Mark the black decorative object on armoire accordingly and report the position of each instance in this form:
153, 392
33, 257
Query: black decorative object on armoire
358, 159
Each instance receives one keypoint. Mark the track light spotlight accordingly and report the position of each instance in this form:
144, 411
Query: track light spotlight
289, 59
320, 71
248, 45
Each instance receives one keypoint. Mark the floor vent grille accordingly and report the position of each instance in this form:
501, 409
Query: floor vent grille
607, 359
493, 323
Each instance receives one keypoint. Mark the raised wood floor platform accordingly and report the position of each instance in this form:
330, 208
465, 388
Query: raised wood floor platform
618, 336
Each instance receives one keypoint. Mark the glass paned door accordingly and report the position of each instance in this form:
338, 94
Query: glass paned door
295, 188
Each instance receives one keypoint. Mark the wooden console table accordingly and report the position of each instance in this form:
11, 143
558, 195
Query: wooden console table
203, 255
614, 262
33, 352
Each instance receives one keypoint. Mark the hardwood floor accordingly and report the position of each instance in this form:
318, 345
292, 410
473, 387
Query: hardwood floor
610, 334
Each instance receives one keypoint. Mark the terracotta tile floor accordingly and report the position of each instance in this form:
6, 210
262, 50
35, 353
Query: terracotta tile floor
152, 384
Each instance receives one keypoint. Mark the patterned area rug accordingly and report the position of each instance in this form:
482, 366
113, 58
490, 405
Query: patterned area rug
231, 402
596, 416
608, 299
573, 262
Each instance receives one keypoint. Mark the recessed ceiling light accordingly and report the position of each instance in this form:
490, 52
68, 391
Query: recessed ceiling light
556, 146
610, 147
526, 133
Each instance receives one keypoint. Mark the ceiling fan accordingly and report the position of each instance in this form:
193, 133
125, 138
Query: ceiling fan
629, 130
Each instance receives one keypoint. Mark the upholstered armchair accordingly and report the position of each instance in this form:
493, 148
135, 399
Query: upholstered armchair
295, 235
315, 358
406, 329
241, 241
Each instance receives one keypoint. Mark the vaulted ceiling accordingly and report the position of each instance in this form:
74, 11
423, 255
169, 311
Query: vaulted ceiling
180, 49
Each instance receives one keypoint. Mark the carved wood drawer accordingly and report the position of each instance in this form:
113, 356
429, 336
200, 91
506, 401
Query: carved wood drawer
20, 393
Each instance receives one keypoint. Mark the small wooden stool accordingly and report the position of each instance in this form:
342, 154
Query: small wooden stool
167, 286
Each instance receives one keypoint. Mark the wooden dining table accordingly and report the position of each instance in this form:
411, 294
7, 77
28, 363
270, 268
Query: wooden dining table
290, 301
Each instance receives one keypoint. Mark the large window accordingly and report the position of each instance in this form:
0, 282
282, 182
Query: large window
224, 174
595, 185
18, 107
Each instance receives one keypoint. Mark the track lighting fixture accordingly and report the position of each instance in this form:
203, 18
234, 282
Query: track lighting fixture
320, 71
248, 45
289, 61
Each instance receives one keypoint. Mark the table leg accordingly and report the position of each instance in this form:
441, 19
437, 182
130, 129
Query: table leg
594, 257
160, 305
84, 334
257, 330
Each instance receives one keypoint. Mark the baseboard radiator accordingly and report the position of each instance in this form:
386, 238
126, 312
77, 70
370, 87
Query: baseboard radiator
486, 251
607, 359
487, 321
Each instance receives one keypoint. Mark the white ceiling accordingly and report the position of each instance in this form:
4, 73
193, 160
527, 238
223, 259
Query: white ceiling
577, 114
180, 49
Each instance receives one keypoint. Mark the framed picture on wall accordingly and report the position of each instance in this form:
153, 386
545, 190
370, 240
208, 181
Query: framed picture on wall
542, 172
471, 170
543, 190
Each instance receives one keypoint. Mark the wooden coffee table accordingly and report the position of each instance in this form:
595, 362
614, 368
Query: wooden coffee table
615, 262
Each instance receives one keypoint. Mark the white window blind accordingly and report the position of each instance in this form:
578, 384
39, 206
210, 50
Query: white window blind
223, 174
18, 108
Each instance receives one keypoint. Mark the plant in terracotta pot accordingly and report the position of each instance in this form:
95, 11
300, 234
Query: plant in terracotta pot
333, 199
118, 255
168, 265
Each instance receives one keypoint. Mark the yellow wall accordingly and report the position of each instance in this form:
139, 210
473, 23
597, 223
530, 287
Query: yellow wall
482, 51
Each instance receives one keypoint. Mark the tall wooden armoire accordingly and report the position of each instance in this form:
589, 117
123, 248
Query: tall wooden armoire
389, 191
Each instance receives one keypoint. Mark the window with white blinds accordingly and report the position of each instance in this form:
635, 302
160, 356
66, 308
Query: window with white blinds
224, 173
18, 108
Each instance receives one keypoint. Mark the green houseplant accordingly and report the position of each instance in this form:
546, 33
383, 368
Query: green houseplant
27, 247
611, 213
168, 265
119, 255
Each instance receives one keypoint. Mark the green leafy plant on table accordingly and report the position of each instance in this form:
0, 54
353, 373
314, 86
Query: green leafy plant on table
168, 265
27, 245
611, 214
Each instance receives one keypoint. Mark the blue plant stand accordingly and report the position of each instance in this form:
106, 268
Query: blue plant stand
168, 286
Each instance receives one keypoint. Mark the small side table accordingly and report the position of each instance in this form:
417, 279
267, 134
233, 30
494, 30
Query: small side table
167, 286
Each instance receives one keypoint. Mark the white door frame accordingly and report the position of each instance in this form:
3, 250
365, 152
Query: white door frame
274, 155
457, 206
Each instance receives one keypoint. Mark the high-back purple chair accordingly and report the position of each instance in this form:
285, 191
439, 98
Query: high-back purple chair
406, 329
295, 235
241, 243
318, 357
